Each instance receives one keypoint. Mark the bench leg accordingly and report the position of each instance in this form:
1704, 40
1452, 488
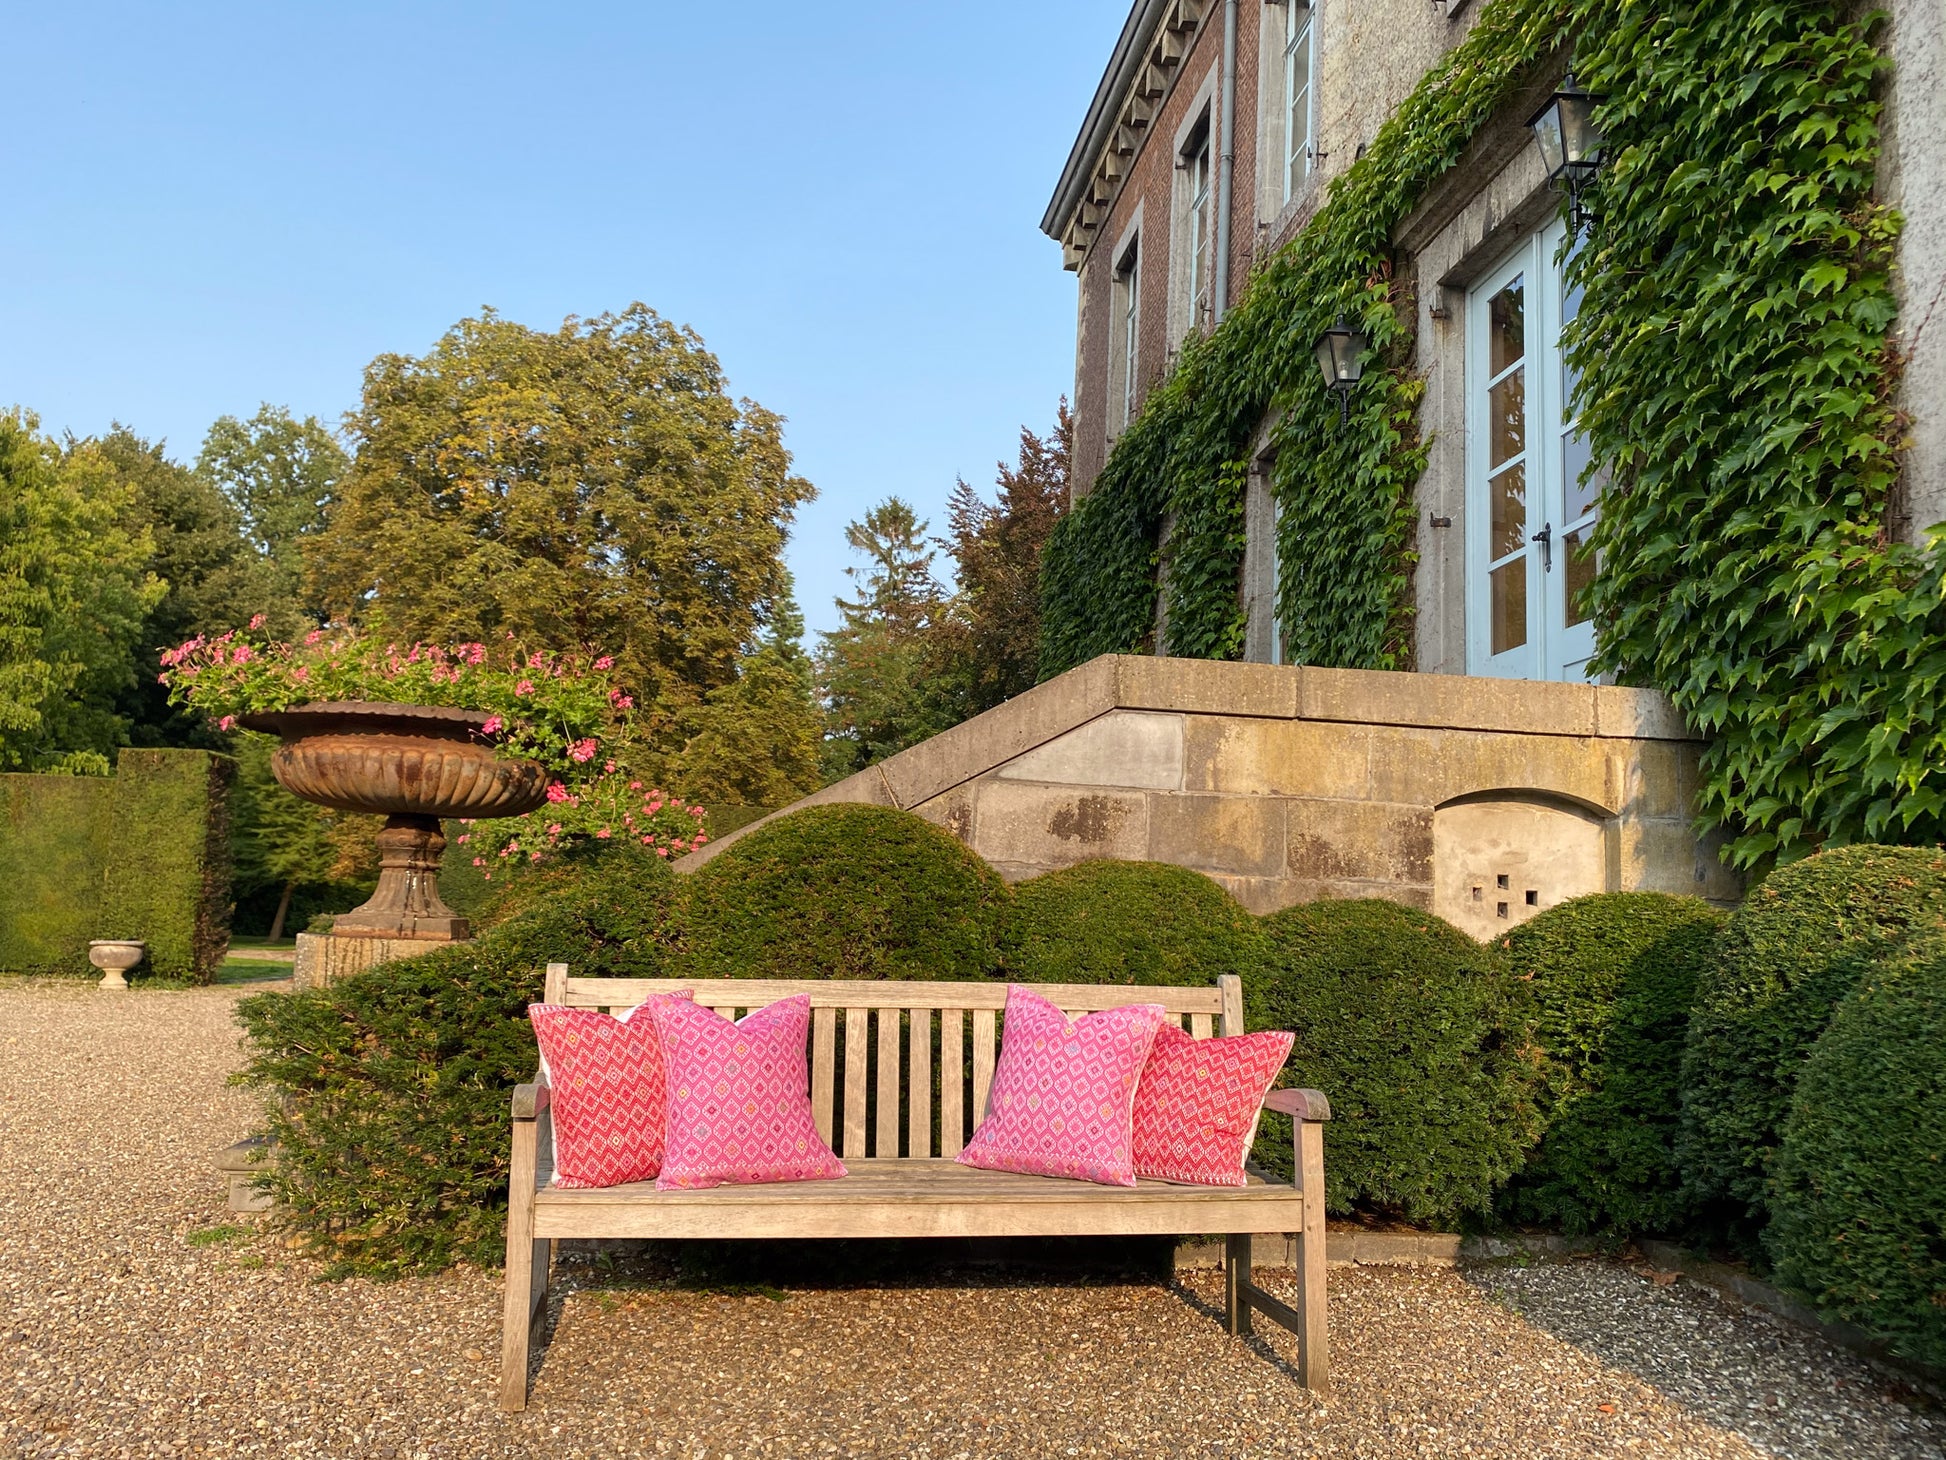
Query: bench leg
1236, 1283
1314, 1335
528, 1261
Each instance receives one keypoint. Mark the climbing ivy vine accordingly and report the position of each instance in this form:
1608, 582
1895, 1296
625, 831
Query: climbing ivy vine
1736, 386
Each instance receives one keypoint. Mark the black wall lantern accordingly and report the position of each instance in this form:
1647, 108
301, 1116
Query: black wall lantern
1570, 143
1341, 356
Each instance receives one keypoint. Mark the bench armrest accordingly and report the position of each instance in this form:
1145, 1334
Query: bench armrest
1299, 1104
530, 1100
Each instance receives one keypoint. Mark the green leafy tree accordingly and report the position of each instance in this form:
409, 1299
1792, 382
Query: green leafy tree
881, 674
754, 742
591, 487
993, 631
281, 474
212, 578
75, 589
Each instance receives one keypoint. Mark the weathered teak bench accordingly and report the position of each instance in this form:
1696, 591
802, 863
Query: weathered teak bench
903, 1182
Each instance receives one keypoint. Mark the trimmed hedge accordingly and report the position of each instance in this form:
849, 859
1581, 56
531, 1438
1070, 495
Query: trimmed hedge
389, 1092
143, 854
1124, 922
169, 862
842, 892
53, 852
1796, 947
1610, 981
1416, 1035
1859, 1189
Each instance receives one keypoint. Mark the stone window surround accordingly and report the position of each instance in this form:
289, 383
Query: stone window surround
1275, 212
1119, 355
1201, 114
1470, 221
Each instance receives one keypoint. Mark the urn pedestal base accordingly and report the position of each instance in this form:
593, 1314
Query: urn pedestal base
324, 958
407, 903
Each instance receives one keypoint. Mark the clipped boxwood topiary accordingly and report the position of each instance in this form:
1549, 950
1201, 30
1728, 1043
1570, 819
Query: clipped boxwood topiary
1124, 922
1610, 980
842, 892
389, 1091
1859, 1187
1795, 948
1415, 1034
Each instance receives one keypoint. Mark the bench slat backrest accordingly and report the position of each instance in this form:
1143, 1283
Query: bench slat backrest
878, 1089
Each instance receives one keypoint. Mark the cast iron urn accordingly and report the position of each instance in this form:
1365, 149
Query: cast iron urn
414, 765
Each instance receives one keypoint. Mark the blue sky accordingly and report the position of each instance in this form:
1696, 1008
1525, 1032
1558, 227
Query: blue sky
208, 206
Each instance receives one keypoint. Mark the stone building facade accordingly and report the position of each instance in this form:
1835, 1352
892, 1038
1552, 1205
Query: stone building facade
1161, 214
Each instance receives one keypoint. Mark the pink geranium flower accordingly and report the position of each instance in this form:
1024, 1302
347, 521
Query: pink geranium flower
256, 621
556, 792
228, 722
582, 751
607, 661
492, 726
525, 687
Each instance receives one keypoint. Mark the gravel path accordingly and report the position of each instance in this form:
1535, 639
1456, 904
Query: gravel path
138, 1318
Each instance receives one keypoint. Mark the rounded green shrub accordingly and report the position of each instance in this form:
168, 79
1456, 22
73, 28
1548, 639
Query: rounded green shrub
1124, 922
388, 1093
1859, 1187
1795, 948
1416, 1035
842, 892
1610, 980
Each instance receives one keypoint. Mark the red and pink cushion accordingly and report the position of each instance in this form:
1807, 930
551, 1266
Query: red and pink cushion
739, 1097
605, 1082
1196, 1109
1063, 1091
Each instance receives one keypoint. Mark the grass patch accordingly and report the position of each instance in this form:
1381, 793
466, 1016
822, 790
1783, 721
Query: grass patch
212, 1236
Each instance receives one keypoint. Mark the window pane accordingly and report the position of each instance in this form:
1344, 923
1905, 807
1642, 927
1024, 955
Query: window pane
1581, 496
1507, 496
1581, 574
1509, 590
1506, 327
1297, 88
1507, 419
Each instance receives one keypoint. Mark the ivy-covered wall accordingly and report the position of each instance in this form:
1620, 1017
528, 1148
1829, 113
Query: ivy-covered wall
1736, 379
145, 854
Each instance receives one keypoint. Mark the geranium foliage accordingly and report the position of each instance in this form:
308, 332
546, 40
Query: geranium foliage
1735, 383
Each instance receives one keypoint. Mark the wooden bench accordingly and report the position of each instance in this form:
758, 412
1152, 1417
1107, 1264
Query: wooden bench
881, 1054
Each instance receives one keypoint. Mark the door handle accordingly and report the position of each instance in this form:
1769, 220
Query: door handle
1545, 537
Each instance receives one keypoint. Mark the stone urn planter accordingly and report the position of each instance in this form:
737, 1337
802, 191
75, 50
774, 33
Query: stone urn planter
115, 957
415, 766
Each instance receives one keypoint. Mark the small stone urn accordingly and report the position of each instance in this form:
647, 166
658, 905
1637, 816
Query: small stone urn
115, 957
413, 765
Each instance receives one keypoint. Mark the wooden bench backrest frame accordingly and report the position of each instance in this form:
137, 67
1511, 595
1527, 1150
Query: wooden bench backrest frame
870, 1039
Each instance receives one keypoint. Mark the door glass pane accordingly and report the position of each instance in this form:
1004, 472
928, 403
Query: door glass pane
1506, 328
1580, 555
1508, 586
1507, 419
1507, 495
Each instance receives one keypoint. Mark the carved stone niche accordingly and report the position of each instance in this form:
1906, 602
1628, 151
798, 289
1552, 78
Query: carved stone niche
1501, 857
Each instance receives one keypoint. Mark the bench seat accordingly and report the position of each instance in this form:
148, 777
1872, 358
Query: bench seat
928, 1198
899, 1078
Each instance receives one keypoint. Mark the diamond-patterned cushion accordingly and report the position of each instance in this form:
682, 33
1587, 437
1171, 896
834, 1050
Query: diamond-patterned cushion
605, 1093
1197, 1106
739, 1096
1064, 1091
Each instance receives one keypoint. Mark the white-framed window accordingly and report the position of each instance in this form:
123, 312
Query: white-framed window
1300, 96
1196, 232
1128, 325
1531, 499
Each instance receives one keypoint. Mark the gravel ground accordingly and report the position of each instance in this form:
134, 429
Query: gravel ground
138, 1318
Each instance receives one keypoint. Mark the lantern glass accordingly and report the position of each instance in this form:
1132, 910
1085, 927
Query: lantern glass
1565, 130
1338, 351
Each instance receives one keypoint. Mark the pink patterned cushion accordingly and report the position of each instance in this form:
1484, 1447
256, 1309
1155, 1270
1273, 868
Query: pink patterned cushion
739, 1097
606, 1094
1063, 1091
1196, 1110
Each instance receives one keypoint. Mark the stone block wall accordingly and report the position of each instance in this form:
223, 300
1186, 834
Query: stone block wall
1483, 800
